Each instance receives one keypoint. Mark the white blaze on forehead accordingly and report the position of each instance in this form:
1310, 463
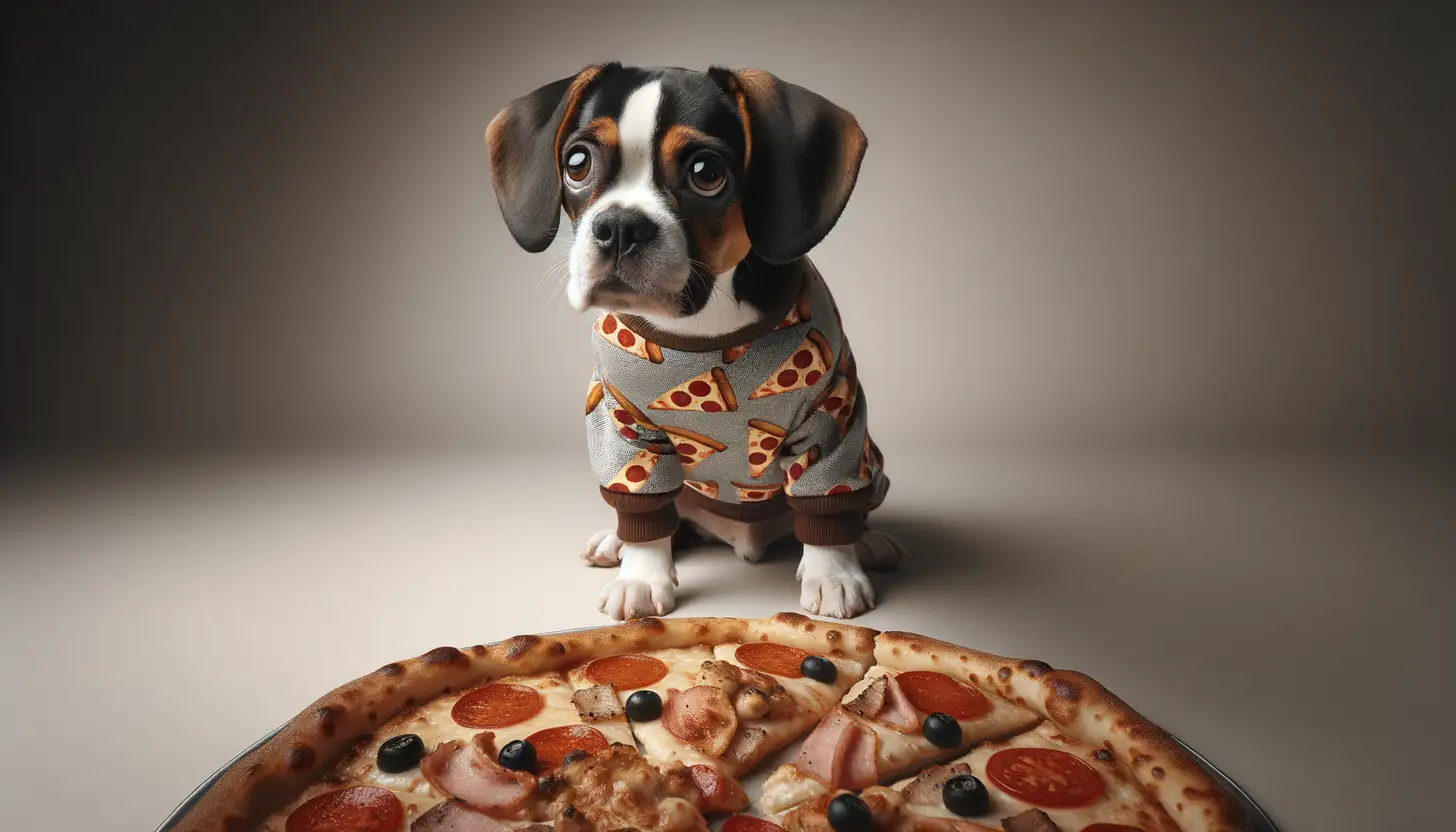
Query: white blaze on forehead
635, 131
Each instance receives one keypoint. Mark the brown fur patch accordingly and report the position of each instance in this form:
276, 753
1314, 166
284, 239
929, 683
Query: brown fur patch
731, 245
603, 131
673, 141
573, 100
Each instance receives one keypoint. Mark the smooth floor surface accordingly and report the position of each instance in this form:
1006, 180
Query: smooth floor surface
1292, 619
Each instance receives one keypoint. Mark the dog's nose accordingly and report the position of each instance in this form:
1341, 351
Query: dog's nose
620, 230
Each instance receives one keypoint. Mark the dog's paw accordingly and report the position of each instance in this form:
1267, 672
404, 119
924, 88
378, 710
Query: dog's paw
627, 598
833, 584
879, 552
604, 549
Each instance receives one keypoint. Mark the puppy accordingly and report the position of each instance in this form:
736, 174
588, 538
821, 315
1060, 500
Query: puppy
724, 392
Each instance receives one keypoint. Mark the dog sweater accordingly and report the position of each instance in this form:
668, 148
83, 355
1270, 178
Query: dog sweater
767, 419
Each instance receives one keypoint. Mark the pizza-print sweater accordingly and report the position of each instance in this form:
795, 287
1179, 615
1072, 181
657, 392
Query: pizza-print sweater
765, 420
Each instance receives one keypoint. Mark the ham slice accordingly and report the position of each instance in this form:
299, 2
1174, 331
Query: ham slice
470, 774
597, 703
455, 816
701, 716
883, 701
840, 753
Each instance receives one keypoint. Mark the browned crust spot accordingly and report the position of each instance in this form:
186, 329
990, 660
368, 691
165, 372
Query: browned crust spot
299, 757
391, 669
822, 344
444, 655
654, 352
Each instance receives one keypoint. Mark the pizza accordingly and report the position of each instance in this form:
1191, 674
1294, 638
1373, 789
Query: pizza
614, 332
707, 489
709, 392
732, 354
655, 724
803, 368
692, 448
635, 473
764, 439
629, 421
800, 464
752, 493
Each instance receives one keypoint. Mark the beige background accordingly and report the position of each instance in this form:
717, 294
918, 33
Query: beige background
1152, 302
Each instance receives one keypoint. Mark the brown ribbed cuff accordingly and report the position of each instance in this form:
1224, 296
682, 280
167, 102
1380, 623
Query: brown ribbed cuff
839, 519
644, 517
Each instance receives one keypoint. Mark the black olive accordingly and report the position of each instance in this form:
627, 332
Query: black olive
965, 795
847, 813
819, 669
942, 730
518, 755
644, 706
400, 753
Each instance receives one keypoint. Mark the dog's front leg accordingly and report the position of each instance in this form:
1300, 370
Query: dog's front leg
643, 585
832, 583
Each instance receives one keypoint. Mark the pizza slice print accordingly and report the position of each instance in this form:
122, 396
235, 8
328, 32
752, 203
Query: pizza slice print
707, 489
800, 465
709, 392
593, 396
635, 473
692, 447
757, 493
764, 440
629, 421
800, 311
800, 370
616, 333
732, 354
838, 401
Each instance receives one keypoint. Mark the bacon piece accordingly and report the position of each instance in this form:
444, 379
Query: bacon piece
701, 716
718, 793
1034, 820
471, 774
746, 745
840, 753
456, 816
925, 789
596, 703
883, 701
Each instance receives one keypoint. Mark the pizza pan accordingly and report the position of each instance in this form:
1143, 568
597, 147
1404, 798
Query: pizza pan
1259, 820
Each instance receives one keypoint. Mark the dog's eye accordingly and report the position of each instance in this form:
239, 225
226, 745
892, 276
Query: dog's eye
707, 174
578, 164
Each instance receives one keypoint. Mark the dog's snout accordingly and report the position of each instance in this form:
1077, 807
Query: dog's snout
619, 231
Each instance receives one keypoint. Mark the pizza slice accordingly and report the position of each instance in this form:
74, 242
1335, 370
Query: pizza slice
614, 332
709, 392
800, 311
635, 473
539, 709
838, 401
884, 729
800, 370
764, 439
627, 418
800, 465
732, 354
869, 459
692, 447
707, 489
757, 493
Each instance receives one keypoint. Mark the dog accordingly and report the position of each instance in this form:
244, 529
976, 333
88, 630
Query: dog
724, 400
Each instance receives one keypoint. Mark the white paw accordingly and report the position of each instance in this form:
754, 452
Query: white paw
833, 584
604, 549
879, 551
626, 598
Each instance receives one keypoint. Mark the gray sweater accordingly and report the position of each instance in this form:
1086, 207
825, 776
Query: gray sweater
764, 420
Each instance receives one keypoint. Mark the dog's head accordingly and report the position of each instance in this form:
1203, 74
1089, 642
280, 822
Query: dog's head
670, 177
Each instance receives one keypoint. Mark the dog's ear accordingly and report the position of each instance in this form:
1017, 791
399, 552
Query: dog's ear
802, 159
524, 140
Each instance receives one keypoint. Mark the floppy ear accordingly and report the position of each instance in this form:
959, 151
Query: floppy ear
525, 148
802, 160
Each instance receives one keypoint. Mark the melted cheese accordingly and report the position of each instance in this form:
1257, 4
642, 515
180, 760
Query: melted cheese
659, 746
434, 725
1124, 802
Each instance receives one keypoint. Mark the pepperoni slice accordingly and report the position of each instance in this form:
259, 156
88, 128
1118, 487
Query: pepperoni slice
749, 823
680, 398
778, 659
699, 388
787, 378
609, 324
553, 744
1110, 827
929, 692
496, 706
355, 809
626, 672
712, 406
803, 358
1045, 777
839, 489
768, 443
626, 338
